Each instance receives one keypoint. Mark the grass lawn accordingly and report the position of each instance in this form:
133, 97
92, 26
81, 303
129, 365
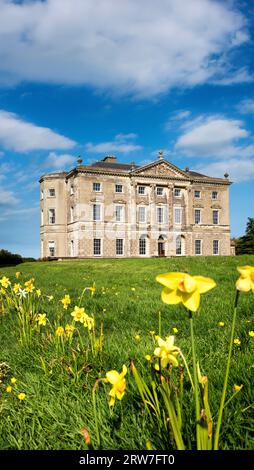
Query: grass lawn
59, 403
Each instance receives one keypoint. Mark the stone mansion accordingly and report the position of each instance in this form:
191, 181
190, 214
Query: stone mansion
109, 209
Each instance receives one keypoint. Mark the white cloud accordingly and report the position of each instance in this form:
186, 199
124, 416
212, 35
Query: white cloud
122, 143
238, 170
16, 213
212, 136
141, 47
7, 198
59, 162
176, 117
246, 106
22, 136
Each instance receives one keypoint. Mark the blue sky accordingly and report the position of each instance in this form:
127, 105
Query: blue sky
124, 78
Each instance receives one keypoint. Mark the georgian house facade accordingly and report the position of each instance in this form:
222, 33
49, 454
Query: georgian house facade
112, 210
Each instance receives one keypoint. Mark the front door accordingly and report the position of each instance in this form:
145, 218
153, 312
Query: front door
161, 249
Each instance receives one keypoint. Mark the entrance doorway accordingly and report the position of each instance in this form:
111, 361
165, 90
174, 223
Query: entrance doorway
161, 246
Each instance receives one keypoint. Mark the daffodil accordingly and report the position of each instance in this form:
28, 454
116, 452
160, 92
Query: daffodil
66, 301
21, 396
237, 388
22, 293
251, 333
148, 357
41, 319
137, 337
133, 289
69, 329
8, 389
88, 322
16, 288
221, 323
119, 384
5, 282
38, 292
245, 283
78, 314
175, 330
17, 274
59, 331
183, 288
29, 286
92, 289
13, 380
167, 352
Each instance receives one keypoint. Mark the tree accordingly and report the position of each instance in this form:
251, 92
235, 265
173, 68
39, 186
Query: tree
245, 244
9, 259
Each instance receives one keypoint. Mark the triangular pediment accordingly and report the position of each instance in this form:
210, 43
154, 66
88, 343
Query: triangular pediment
161, 168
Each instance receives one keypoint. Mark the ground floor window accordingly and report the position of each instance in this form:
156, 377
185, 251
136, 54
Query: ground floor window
97, 246
119, 246
198, 247
51, 248
215, 247
142, 245
178, 245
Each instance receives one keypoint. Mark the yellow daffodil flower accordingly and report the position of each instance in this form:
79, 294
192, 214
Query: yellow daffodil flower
21, 396
157, 367
17, 274
50, 297
133, 289
245, 283
251, 333
88, 322
16, 288
38, 292
92, 289
221, 323
59, 331
137, 337
183, 288
8, 389
175, 330
69, 329
5, 282
13, 380
237, 388
167, 352
66, 301
42, 319
237, 341
29, 286
148, 357
78, 314
119, 384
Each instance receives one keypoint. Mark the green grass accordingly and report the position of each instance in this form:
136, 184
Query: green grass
57, 406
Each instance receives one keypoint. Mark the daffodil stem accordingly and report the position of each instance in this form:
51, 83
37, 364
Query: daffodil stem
224, 390
195, 374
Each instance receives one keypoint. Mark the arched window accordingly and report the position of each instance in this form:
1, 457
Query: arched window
180, 245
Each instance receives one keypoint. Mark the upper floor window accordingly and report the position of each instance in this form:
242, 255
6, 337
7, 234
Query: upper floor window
159, 191
215, 217
141, 189
119, 213
96, 212
215, 195
178, 215
97, 187
142, 214
160, 215
215, 247
197, 216
197, 194
52, 216
118, 188
177, 192
198, 247
52, 192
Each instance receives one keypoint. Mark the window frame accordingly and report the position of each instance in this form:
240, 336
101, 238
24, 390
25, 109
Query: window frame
215, 211
141, 193
218, 247
162, 190
54, 248
180, 192
195, 212
142, 245
94, 185
100, 246
122, 243
197, 191
200, 246
121, 219
215, 198
51, 216
160, 209
118, 185
51, 195
96, 205
139, 211
181, 215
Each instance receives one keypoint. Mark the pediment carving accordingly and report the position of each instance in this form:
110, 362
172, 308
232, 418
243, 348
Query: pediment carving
163, 168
